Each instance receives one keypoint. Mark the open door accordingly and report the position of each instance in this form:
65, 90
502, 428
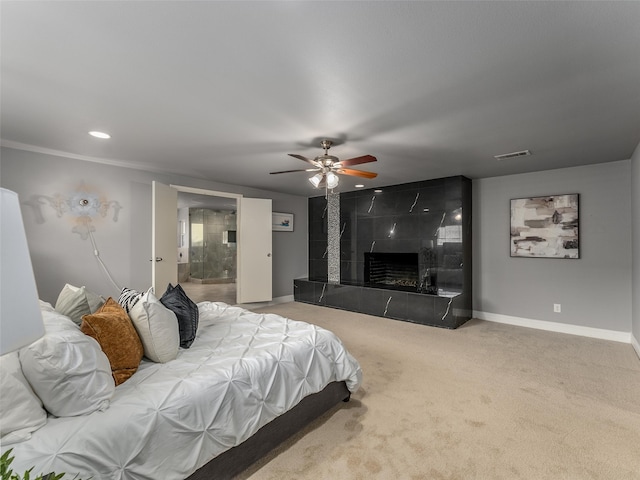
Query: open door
253, 283
164, 238
254, 251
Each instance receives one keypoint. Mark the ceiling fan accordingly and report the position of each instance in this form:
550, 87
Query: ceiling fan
328, 166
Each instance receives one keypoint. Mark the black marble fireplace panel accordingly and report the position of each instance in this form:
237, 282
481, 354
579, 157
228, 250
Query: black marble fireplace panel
384, 303
431, 218
438, 311
320, 268
420, 306
344, 297
350, 271
304, 291
318, 229
318, 249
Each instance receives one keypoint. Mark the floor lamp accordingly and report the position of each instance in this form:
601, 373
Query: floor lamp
20, 316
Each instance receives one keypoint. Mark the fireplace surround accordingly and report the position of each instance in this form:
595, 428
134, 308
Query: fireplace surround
425, 227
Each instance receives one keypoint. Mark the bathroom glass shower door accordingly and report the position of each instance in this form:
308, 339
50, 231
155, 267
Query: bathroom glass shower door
212, 250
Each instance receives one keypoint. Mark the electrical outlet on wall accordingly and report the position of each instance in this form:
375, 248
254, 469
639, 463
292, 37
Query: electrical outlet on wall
557, 308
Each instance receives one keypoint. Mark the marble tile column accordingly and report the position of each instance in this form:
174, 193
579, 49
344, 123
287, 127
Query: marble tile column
333, 238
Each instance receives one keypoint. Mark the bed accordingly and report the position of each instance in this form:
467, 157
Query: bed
247, 382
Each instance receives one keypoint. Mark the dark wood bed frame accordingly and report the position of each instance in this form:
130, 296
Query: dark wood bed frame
234, 461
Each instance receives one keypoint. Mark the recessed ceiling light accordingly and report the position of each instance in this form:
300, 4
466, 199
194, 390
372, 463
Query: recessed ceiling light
359, 185
97, 134
377, 190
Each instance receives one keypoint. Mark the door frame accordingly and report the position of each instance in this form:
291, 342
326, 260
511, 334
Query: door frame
214, 193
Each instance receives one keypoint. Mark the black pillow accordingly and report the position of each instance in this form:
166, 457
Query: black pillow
187, 312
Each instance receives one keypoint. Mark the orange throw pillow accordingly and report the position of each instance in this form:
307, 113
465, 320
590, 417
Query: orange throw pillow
111, 327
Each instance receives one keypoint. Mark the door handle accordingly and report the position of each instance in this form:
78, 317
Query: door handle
158, 259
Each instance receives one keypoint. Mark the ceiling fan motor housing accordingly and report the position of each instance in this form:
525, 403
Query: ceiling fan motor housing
327, 160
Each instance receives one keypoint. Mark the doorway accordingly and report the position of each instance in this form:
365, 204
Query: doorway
207, 247
254, 263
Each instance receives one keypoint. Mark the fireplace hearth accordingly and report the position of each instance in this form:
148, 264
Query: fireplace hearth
395, 271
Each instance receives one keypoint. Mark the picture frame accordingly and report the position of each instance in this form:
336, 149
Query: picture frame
281, 222
545, 226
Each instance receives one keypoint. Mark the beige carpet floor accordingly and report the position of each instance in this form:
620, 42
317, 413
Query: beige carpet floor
486, 401
212, 292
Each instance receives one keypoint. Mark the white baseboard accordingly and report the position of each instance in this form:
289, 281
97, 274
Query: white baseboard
274, 301
624, 337
635, 344
284, 299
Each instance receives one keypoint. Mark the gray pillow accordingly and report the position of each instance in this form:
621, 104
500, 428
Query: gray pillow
74, 302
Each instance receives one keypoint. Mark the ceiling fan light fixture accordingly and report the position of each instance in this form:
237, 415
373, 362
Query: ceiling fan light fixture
332, 180
330, 167
316, 179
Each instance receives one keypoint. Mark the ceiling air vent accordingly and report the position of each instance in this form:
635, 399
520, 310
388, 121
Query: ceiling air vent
505, 156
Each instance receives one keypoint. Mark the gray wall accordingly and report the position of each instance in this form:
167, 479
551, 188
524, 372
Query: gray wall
595, 290
635, 182
60, 256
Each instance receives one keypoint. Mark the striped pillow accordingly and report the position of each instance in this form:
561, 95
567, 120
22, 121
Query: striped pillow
129, 297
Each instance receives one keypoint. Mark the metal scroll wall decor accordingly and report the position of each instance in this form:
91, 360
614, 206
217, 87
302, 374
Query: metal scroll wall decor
83, 206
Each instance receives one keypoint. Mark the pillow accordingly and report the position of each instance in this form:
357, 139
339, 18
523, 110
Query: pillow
157, 327
46, 306
129, 297
21, 410
186, 311
67, 369
112, 328
74, 302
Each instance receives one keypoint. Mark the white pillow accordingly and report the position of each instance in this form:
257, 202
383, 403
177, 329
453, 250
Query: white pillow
157, 327
46, 306
21, 410
74, 302
67, 369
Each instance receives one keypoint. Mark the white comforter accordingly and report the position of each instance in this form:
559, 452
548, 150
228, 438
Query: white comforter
243, 370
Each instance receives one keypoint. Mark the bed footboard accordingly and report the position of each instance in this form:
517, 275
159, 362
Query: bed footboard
237, 459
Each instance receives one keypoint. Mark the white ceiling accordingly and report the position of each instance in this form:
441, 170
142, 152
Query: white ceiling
224, 90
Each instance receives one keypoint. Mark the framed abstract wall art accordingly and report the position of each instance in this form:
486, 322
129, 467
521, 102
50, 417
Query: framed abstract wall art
545, 227
282, 222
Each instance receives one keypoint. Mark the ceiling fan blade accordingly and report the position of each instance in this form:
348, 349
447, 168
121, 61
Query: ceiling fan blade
357, 160
356, 173
299, 170
304, 159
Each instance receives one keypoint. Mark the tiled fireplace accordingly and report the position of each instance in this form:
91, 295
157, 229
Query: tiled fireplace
403, 252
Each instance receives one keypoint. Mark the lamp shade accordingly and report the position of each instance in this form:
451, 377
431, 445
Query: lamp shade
20, 317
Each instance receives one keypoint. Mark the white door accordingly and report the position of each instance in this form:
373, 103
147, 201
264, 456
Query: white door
164, 237
254, 250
